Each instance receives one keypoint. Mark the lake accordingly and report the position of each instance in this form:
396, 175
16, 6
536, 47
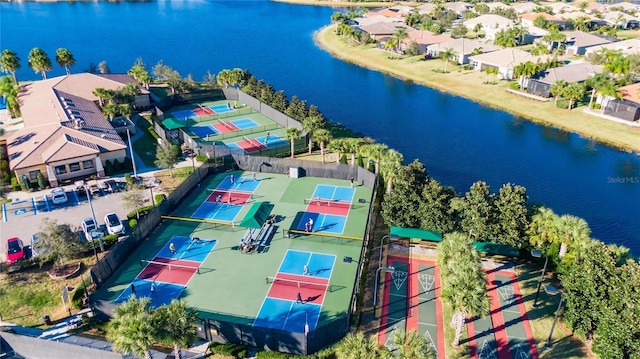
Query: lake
459, 141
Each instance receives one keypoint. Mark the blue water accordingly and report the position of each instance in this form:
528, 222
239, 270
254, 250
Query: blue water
459, 141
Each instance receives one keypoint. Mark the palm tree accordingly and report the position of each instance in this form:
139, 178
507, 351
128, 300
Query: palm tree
358, 346
125, 110
312, 124
447, 55
525, 70
292, 135
65, 58
39, 61
390, 165
110, 110
353, 146
597, 82
322, 136
10, 62
557, 88
375, 151
9, 90
574, 92
571, 230
411, 345
140, 73
543, 227
339, 146
399, 35
132, 328
102, 95
464, 284
176, 325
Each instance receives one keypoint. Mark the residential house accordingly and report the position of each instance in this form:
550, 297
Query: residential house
65, 135
462, 49
627, 108
380, 27
561, 7
423, 38
575, 15
573, 73
504, 61
491, 24
391, 12
596, 7
578, 42
494, 5
426, 9
459, 7
524, 7
627, 7
621, 20
627, 47
529, 19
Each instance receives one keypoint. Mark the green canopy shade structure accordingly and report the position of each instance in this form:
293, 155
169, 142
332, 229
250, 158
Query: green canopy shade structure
495, 249
171, 124
421, 234
257, 215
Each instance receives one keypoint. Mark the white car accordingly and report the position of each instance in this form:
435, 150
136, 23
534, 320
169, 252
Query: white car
58, 196
114, 224
90, 229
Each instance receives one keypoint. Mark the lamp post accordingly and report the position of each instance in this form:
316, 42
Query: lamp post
390, 269
133, 160
93, 216
392, 237
538, 254
551, 290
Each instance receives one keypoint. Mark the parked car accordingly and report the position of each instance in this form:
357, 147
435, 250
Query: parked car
110, 186
114, 224
94, 189
81, 188
15, 250
90, 229
58, 196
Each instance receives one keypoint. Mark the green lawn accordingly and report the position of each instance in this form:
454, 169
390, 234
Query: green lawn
145, 146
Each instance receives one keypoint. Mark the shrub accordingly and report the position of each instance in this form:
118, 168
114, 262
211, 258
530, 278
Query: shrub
108, 166
360, 161
563, 104
142, 211
153, 133
25, 185
129, 180
266, 354
117, 166
110, 240
343, 159
514, 86
127, 164
77, 297
133, 223
229, 349
14, 184
597, 106
159, 198
42, 181
202, 158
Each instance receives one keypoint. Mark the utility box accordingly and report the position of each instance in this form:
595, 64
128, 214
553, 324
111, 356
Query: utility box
294, 172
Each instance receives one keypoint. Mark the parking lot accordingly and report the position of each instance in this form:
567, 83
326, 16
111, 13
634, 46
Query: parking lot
22, 217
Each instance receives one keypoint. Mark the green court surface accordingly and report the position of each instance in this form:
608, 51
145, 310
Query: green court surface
231, 285
394, 312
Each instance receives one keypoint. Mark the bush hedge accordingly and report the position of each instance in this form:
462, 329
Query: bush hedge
153, 133
159, 198
142, 211
228, 349
77, 297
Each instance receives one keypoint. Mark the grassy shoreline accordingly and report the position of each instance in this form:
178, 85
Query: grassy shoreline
470, 84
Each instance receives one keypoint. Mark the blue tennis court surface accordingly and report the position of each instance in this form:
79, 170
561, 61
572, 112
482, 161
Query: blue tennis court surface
217, 211
246, 184
328, 223
181, 115
334, 192
188, 249
287, 315
244, 123
164, 293
319, 265
204, 131
221, 108
273, 141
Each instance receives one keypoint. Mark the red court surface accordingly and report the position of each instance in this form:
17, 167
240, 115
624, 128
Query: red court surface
251, 146
169, 274
201, 112
339, 208
237, 198
287, 286
225, 127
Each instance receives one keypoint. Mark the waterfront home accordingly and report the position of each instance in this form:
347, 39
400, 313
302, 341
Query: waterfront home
392, 12
459, 7
626, 108
380, 28
491, 24
423, 38
578, 42
65, 134
504, 61
627, 47
462, 49
573, 73
621, 20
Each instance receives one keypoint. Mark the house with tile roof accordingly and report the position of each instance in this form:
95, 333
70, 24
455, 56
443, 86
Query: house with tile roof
621, 20
463, 48
578, 42
626, 108
528, 19
65, 135
379, 27
573, 73
627, 47
423, 38
491, 24
504, 61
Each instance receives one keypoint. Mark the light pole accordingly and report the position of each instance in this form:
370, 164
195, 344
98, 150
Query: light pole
93, 216
393, 237
133, 160
538, 254
551, 290
390, 269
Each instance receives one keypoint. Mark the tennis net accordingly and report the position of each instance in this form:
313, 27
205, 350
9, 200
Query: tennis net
299, 284
328, 202
253, 141
225, 124
171, 267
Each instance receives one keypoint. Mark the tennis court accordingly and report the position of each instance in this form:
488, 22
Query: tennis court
221, 108
184, 114
295, 298
225, 202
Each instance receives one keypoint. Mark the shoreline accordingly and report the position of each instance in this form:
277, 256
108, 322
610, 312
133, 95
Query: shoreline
469, 84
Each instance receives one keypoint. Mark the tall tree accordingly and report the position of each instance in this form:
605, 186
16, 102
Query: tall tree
574, 92
571, 230
477, 215
166, 156
447, 54
39, 61
133, 199
412, 345
358, 346
389, 167
57, 242
65, 58
139, 72
292, 135
557, 89
436, 212
511, 215
9, 89
311, 125
177, 325
376, 152
132, 328
10, 62
339, 146
463, 280
401, 206
322, 136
